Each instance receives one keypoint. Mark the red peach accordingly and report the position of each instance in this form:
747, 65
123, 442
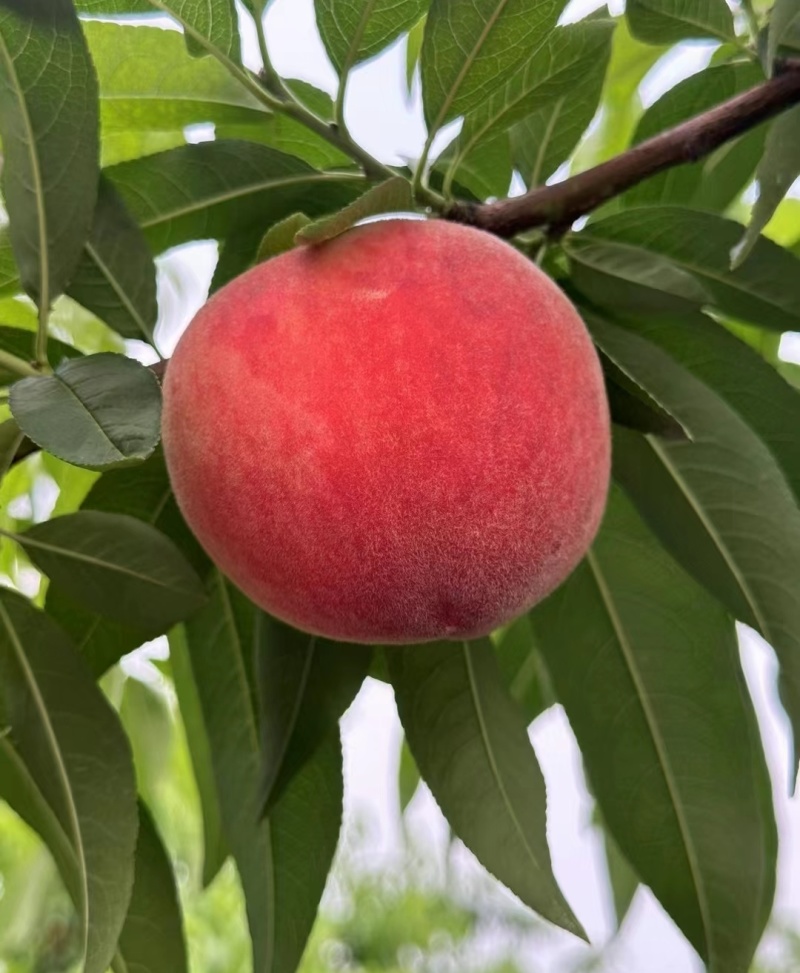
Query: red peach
399, 435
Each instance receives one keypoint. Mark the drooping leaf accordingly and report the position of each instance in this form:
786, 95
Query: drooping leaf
634, 407
681, 779
98, 411
391, 196
554, 68
688, 245
305, 684
469, 50
355, 30
469, 740
283, 860
777, 171
152, 938
67, 770
784, 21
720, 504
116, 277
281, 237
668, 21
49, 130
413, 50
215, 850
714, 182
117, 566
208, 190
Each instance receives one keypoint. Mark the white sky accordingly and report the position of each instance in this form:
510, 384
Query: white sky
389, 125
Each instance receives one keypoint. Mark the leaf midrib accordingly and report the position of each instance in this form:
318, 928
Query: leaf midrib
658, 744
53, 745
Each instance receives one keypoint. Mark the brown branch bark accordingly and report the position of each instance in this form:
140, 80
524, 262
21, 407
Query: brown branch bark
558, 206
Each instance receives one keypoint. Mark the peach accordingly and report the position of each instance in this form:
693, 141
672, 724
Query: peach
399, 435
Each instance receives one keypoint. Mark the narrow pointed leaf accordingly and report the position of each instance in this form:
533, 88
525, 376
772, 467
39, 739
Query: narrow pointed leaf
635, 408
469, 740
668, 21
73, 771
117, 566
49, 130
469, 50
646, 666
765, 289
215, 849
392, 196
784, 20
116, 277
98, 411
281, 237
777, 171
283, 860
720, 504
305, 685
413, 50
522, 668
408, 778
354, 30
152, 938
10, 438
208, 190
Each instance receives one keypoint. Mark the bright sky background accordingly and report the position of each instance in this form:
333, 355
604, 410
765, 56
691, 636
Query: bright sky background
389, 124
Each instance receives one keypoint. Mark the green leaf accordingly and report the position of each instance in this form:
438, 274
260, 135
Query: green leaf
149, 83
620, 102
719, 504
292, 136
522, 669
281, 237
555, 66
117, 566
469, 740
98, 411
541, 142
413, 50
469, 50
10, 438
765, 289
237, 253
215, 851
621, 877
634, 407
208, 190
777, 171
681, 779
49, 130
784, 20
305, 685
485, 172
143, 492
66, 767
392, 196
283, 860
116, 277
714, 182
354, 30
152, 938
407, 776
18, 343
668, 21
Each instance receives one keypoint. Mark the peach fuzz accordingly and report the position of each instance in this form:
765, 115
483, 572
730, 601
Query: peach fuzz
400, 435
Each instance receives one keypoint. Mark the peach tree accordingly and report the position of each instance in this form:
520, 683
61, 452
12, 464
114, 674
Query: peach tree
670, 228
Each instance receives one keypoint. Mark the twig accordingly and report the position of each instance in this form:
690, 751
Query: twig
559, 205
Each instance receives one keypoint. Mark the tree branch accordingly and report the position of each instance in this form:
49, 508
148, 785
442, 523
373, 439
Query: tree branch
559, 205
